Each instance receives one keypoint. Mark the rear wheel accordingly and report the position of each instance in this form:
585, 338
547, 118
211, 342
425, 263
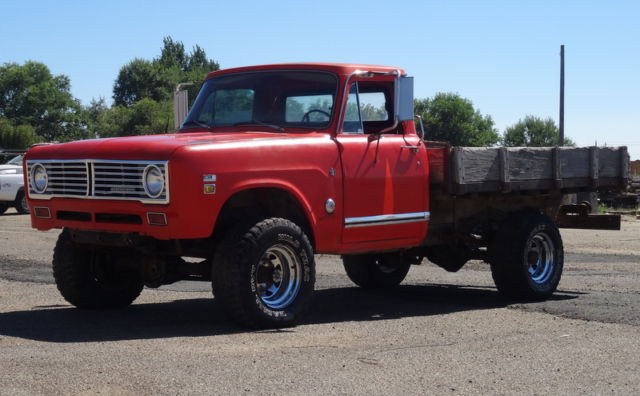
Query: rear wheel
90, 278
527, 257
375, 271
21, 203
264, 275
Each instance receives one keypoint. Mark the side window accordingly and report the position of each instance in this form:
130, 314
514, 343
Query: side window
367, 109
308, 108
352, 120
227, 107
373, 106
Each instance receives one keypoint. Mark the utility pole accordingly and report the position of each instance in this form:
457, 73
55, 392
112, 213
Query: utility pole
561, 121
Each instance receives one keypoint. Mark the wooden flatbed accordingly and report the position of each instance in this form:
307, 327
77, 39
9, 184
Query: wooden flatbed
468, 170
476, 188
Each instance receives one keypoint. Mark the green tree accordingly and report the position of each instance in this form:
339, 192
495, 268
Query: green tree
533, 131
30, 95
370, 112
156, 79
16, 137
173, 54
144, 117
136, 80
94, 116
451, 118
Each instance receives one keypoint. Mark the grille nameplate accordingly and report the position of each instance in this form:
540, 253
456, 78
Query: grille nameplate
98, 179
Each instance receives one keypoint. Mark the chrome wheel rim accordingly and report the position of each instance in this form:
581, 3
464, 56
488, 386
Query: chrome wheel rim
540, 256
278, 276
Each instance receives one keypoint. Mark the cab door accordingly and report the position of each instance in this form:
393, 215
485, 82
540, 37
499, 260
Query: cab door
384, 170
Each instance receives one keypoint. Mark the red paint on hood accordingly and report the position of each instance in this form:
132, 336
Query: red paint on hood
146, 147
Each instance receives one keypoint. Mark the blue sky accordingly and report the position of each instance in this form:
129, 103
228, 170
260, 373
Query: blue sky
502, 55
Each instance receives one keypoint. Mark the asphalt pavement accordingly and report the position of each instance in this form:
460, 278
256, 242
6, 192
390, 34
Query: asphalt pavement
437, 333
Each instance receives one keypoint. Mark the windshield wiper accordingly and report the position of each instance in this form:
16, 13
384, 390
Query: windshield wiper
194, 123
261, 123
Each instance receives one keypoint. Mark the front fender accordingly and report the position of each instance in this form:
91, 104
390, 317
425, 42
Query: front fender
284, 185
306, 168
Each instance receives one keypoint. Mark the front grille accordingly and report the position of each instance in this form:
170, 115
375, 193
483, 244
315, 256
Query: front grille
68, 178
113, 179
98, 179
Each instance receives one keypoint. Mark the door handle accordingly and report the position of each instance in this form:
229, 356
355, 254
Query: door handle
412, 148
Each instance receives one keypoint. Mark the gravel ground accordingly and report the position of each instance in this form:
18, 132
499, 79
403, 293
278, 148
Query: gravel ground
439, 332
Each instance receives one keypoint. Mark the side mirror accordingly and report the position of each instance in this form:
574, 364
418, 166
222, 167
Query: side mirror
421, 130
404, 98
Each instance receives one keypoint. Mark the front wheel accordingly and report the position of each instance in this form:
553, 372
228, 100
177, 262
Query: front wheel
3, 208
93, 279
21, 203
527, 257
264, 275
376, 271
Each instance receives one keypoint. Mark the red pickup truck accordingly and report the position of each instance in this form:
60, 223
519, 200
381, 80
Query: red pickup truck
276, 163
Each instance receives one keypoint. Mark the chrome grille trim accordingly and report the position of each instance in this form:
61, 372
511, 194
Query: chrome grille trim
98, 179
57, 172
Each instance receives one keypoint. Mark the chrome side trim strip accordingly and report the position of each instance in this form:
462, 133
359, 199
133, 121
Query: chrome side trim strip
369, 221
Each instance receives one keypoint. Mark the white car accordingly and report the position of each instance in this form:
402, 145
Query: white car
12, 186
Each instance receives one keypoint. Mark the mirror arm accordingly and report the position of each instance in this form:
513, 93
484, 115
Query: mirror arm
391, 128
421, 133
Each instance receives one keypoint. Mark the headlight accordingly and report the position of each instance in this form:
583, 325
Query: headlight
153, 181
39, 178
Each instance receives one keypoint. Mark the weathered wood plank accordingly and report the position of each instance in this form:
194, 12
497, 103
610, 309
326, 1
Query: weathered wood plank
574, 162
593, 166
479, 164
557, 167
609, 162
625, 161
505, 177
530, 163
492, 169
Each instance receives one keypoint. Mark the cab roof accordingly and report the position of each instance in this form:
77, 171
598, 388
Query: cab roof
337, 68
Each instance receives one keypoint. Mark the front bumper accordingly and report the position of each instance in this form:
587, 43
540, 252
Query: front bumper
120, 217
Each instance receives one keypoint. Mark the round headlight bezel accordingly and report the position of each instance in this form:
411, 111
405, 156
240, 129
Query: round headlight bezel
35, 186
149, 187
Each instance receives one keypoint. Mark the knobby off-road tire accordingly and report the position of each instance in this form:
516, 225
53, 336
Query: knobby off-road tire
264, 274
89, 279
21, 203
376, 271
527, 257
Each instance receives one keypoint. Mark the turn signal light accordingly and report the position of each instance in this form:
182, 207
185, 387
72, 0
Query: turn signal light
159, 219
42, 212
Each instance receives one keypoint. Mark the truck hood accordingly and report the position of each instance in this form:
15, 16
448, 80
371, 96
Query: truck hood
6, 166
146, 147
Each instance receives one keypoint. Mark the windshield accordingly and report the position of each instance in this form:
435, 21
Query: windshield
15, 161
268, 99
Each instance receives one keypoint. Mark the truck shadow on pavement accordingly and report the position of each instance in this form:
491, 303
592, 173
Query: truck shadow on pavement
202, 317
